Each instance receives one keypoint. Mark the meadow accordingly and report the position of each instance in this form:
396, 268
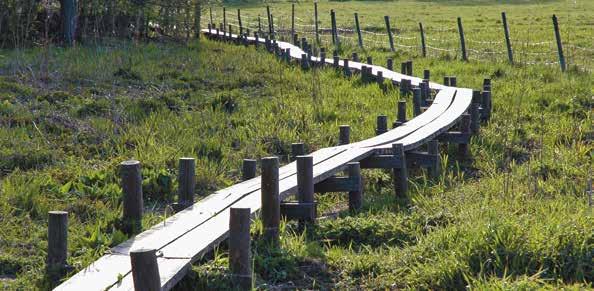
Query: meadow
514, 215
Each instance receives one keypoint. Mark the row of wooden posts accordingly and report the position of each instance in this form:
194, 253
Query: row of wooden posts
336, 40
145, 269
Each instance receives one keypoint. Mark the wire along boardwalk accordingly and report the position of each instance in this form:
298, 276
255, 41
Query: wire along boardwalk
183, 238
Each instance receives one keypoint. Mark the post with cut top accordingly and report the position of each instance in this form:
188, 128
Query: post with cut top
355, 57
401, 113
269, 19
462, 40
239, 20
474, 112
382, 125
426, 74
453, 81
369, 60
487, 106
333, 23
389, 30
248, 169
270, 199
57, 243
433, 150
464, 129
559, 44
145, 270
344, 135
409, 67
224, 18
293, 21
510, 53
360, 39
403, 68
400, 173
417, 101
131, 183
316, 22
297, 149
390, 64
355, 197
346, 68
305, 184
186, 181
240, 264
423, 45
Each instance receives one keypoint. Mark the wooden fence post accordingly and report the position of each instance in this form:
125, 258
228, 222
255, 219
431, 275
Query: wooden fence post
269, 19
409, 68
316, 22
400, 174
390, 64
401, 113
270, 199
474, 112
358, 30
297, 149
390, 37
355, 197
382, 125
453, 81
344, 135
240, 264
259, 25
210, 11
423, 45
305, 183
57, 241
426, 74
346, 68
145, 270
487, 106
292, 21
417, 101
248, 169
369, 60
433, 149
224, 18
462, 40
186, 181
239, 20
559, 44
335, 39
131, 183
510, 54
464, 129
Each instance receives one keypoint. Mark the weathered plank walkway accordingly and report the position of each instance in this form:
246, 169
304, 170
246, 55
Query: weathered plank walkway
185, 237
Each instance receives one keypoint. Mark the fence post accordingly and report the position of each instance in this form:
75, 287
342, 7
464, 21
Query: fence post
474, 112
465, 129
559, 44
390, 37
510, 54
292, 21
224, 18
270, 199
382, 125
269, 19
426, 74
248, 169
400, 174
240, 263
390, 64
358, 30
57, 241
316, 22
433, 149
417, 101
145, 270
259, 25
344, 135
401, 113
297, 149
462, 40
186, 181
305, 183
423, 45
210, 11
355, 197
131, 183
335, 39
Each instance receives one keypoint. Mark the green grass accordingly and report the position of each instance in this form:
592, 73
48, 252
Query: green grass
513, 216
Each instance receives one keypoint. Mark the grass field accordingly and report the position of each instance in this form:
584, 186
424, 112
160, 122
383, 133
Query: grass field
513, 216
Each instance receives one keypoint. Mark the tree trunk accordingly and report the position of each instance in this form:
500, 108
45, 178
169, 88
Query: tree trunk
68, 10
197, 15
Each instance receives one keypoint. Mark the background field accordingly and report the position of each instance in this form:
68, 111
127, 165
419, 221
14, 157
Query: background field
515, 215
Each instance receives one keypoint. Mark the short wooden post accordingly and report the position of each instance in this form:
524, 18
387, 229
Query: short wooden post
239, 20
423, 45
305, 183
297, 149
426, 75
409, 67
486, 103
364, 77
355, 57
131, 183
380, 80
186, 181
559, 44
358, 30
446, 81
248, 169
145, 270
333, 23
270, 199
259, 24
453, 81
382, 125
462, 40
269, 19
417, 101
401, 113
465, 129
433, 149
487, 84
510, 54
57, 241
400, 174
336, 61
292, 21
240, 264
390, 64
403, 68
304, 62
316, 22
369, 60
344, 135
474, 112
346, 68
390, 37
355, 197
405, 86
322, 56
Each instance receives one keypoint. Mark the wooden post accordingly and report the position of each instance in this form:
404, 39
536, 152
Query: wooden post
269, 19
465, 129
57, 241
416, 101
486, 103
358, 30
334, 31
559, 44
210, 11
346, 69
423, 45
462, 40
131, 183
380, 80
297, 149
382, 125
403, 68
336, 61
292, 21
433, 149
510, 54
305, 182
486, 84
355, 197
239, 20
322, 56
344, 135
270, 199
453, 81
240, 264
401, 113
390, 64
474, 112
68, 9
390, 37
369, 60
400, 174
316, 22
145, 270
304, 62
248, 169
409, 67
446, 81
259, 25
426, 75
186, 181
364, 77
355, 57
224, 18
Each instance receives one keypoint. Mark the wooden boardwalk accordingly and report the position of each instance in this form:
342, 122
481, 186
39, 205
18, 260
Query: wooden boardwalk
183, 238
